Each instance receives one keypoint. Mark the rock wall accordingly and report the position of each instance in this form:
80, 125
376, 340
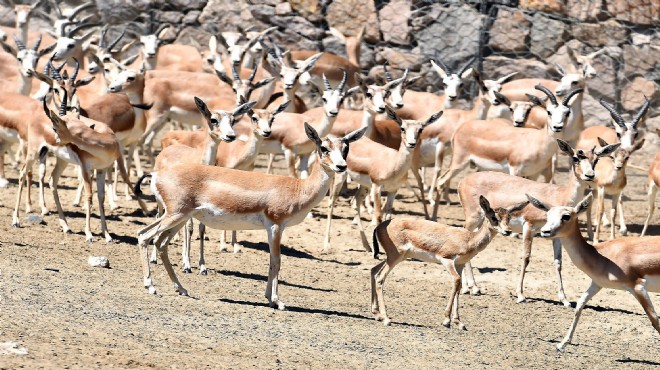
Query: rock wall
528, 36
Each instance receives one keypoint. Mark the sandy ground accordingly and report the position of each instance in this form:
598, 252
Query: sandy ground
68, 314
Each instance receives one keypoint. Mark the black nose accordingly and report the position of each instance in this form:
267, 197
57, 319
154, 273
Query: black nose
399, 106
507, 233
231, 137
151, 55
380, 110
451, 97
341, 167
333, 113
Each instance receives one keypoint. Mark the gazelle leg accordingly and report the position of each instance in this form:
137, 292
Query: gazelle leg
234, 242
333, 198
526, 254
87, 182
304, 160
79, 190
556, 248
599, 214
169, 226
274, 239
437, 168
375, 309
223, 241
3, 149
653, 190
42, 176
456, 317
100, 192
615, 203
380, 283
623, 228
471, 283
271, 158
420, 185
185, 250
451, 268
202, 261
21, 183
112, 188
60, 165
290, 160
642, 296
590, 231
359, 196
586, 296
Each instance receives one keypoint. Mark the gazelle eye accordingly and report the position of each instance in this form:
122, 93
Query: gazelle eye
214, 121
368, 95
325, 150
574, 83
70, 46
130, 79
565, 217
324, 100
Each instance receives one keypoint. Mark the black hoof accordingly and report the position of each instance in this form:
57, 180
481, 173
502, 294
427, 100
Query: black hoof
187, 271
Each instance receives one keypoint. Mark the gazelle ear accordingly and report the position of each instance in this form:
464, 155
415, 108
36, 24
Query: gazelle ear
468, 72
43, 78
352, 91
336, 33
47, 50
224, 78
565, 147
438, 69
355, 135
309, 62
601, 142
584, 204
281, 108
391, 114
485, 206
203, 109
434, 117
537, 203
607, 149
534, 99
85, 81
213, 44
637, 146
518, 207
243, 108
312, 134
130, 60
263, 82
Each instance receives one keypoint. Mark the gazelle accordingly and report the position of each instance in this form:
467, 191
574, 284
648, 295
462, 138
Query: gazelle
231, 199
529, 113
498, 147
287, 135
219, 128
243, 88
289, 74
14, 109
630, 264
397, 92
419, 104
431, 242
27, 63
505, 191
653, 184
23, 14
374, 165
70, 46
611, 180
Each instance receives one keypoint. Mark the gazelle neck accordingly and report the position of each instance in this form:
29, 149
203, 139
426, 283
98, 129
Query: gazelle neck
22, 31
482, 237
210, 151
326, 124
574, 190
583, 254
24, 85
480, 108
290, 96
368, 119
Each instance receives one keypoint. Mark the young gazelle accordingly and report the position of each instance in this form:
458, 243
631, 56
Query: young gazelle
653, 184
374, 165
289, 73
630, 264
498, 147
218, 129
625, 132
611, 180
431, 242
505, 191
231, 199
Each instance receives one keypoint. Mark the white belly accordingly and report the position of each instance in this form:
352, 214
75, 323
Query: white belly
9, 135
217, 218
653, 283
360, 178
486, 164
421, 255
427, 151
65, 153
185, 117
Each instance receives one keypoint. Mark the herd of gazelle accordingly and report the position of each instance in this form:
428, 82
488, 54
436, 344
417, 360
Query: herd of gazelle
94, 105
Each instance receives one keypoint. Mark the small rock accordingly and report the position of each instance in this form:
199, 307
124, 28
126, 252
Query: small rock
584, 10
100, 261
497, 66
349, 16
635, 11
632, 94
172, 17
310, 9
403, 59
191, 17
642, 60
394, 22
546, 6
608, 33
547, 35
12, 348
35, 219
510, 31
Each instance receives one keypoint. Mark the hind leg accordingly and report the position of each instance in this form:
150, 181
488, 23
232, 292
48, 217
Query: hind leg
653, 191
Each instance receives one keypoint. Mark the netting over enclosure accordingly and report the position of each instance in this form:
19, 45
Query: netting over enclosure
527, 36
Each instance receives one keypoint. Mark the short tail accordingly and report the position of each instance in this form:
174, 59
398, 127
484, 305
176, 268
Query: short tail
136, 189
143, 106
376, 247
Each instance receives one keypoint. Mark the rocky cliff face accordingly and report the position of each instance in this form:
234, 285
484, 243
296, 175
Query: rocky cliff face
528, 36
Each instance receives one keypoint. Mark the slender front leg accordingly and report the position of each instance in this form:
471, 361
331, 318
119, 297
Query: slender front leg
420, 185
380, 283
60, 165
451, 268
274, 239
21, 182
653, 190
304, 160
185, 249
79, 190
271, 158
202, 261
359, 196
333, 199
526, 254
291, 162
599, 214
471, 281
456, 317
42, 176
100, 192
87, 182
3, 149
556, 248
234, 242
623, 228
590, 231
437, 168
378, 207
586, 296
615, 203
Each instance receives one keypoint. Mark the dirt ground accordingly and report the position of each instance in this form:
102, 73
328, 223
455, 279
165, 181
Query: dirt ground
68, 314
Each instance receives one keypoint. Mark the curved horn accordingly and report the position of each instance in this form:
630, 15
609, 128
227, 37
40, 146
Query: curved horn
234, 72
326, 83
443, 65
47, 68
72, 79
19, 43
467, 65
342, 83
547, 92
388, 76
615, 115
54, 73
54, 4
560, 69
78, 28
114, 43
37, 43
638, 117
79, 9
254, 71
63, 105
102, 38
568, 97
63, 26
161, 28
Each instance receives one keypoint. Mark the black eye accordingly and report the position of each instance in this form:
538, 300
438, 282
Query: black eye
565, 217
324, 100
568, 113
618, 135
255, 119
325, 150
20, 59
549, 112
460, 84
511, 109
574, 83
387, 93
106, 70
130, 79
214, 121
368, 95
71, 46
636, 133
106, 60
57, 92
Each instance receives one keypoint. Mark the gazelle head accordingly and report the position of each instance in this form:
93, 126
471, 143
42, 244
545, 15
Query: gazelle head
626, 131
560, 220
621, 155
23, 13
123, 78
68, 45
28, 58
332, 151
453, 81
290, 71
584, 163
396, 93
499, 218
99, 55
221, 122
63, 86
151, 41
584, 62
243, 88
212, 57
62, 134
570, 81
376, 95
520, 109
237, 50
332, 98
352, 43
411, 129
262, 119
557, 113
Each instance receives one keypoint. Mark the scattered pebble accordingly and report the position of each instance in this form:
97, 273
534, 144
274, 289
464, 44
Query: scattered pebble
100, 261
12, 348
35, 219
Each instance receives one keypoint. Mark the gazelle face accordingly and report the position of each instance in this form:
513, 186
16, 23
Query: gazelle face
27, 61
410, 132
66, 47
149, 46
453, 86
22, 14
122, 80
289, 76
332, 100
375, 98
492, 86
569, 82
585, 64
333, 153
262, 122
222, 123
583, 165
557, 217
627, 134
621, 155
520, 111
501, 221
557, 116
